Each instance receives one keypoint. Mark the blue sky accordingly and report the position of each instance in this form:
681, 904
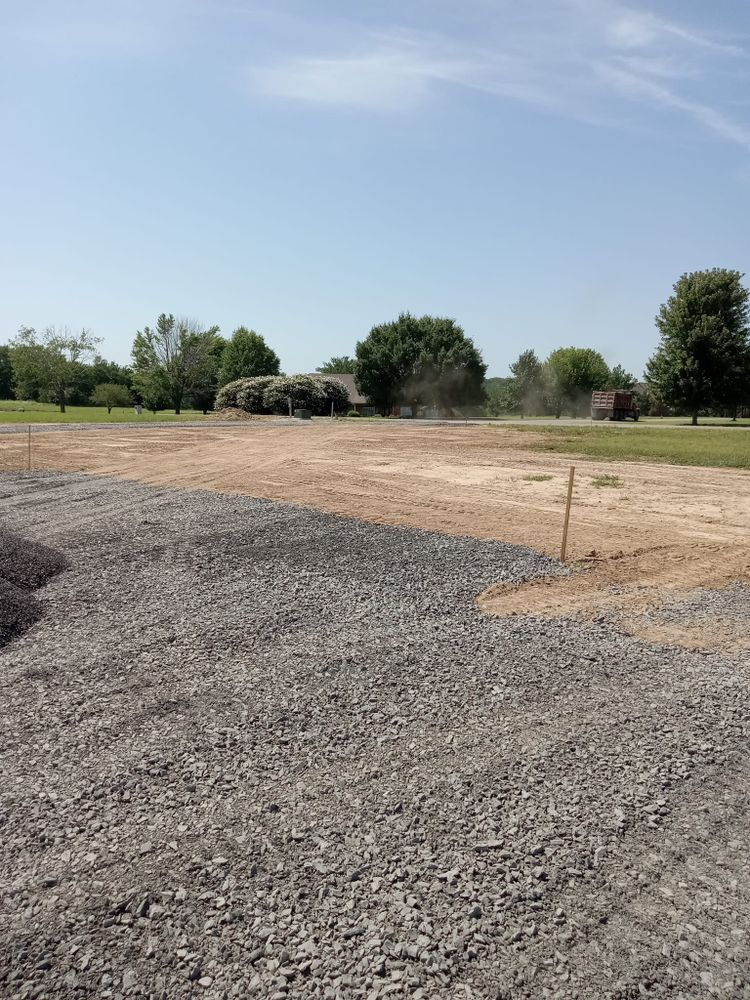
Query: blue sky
541, 171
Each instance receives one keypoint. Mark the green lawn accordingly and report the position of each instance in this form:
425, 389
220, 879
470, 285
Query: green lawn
685, 421
22, 412
643, 422
679, 446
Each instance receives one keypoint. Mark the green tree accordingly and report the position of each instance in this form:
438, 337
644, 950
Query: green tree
343, 365
619, 378
153, 396
109, 371
420, 361
52, 363
172, 359
702, 360
98, 372
111, 394
527, 392
571, 374
501, 396
7, 381
203, 392
247, 355
738, 389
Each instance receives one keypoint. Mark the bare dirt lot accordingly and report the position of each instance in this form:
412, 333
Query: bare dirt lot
660, 534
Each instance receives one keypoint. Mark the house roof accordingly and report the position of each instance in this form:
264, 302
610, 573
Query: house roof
355, 396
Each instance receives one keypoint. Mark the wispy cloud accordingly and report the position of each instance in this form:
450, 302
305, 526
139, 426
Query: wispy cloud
584, 58
642, 88
398, 71
382, 77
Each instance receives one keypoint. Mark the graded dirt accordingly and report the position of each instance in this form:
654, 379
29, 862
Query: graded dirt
666, 530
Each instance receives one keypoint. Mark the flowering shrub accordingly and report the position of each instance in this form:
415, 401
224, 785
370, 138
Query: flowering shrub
250, 396
304, 391
271, 394
335, 392
227, 395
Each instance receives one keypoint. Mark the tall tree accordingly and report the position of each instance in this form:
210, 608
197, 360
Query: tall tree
571, 374
528, 383
7, 381
247, 355
501, 396
619, 378
702, 360
425, 360
52, 362
172, 358
343, 365
203, 392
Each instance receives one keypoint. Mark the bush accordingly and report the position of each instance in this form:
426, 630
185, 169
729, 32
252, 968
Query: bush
303, 391
250, 396
335, 392
227, 395
309, 392
271, 394
352, 413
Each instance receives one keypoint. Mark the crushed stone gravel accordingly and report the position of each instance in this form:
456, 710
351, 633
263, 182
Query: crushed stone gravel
18, 611
26, 563
257, 750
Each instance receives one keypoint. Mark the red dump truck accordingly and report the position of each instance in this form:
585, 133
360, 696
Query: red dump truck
618, 404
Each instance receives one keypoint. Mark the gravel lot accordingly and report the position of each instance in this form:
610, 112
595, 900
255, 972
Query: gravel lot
253, 749
24, 566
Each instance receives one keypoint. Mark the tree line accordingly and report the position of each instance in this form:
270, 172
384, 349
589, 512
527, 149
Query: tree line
563, 383
175, 363
701, 363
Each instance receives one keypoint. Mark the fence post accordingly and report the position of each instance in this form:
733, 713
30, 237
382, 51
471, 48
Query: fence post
29, 458
564, 545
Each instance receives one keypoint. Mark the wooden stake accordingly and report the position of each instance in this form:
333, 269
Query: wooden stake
564, 545
29, 461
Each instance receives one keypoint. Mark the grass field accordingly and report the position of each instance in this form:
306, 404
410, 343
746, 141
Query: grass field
25, 412
658, 421
720, 447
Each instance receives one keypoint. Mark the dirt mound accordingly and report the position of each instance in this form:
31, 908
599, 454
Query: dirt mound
18, 611
234, 413
27, 564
